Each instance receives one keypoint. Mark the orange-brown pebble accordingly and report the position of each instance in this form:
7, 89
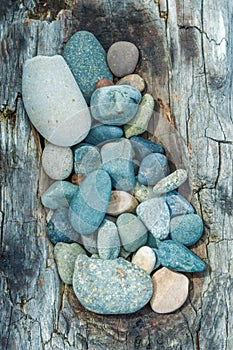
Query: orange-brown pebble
103, 83
77, 179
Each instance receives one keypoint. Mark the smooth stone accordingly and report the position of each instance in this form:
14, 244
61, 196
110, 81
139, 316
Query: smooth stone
153, 168
108, 241
157, 263
54, 102
111, 286
87, 60
115, 105
59, 228
171, 182
89, 205
121, 202
133, 80
77, 179
132, 232
171, 290
57, 162
58, 195
143, 147
86, 159
100, 133
176, 256
155, 215
186, 229
122, 58
104, 82
139, 124
145, 259
178, 205
143, 193
117, 161
90, 242
65, 256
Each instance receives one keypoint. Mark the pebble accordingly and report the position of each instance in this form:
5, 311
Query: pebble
132, 232
77, 179
122, 58
139, 124
143, 147
178, 205
170, 291
54, 102
176, 256
171, 182
153, 168
90, 242
86, 159
108, 242
145, 259
155, 215
143, 193
89, 205
111, 286
115, 105
121, 202
186, 229
58, 195
86, 58
100, 133
133, 80
104, 82
65, 256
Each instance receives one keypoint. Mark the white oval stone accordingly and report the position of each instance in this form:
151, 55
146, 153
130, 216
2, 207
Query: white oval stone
145, 258
121, 202
54, 102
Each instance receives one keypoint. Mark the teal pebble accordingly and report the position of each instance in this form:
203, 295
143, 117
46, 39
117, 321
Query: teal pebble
86, 159
177, 204
186, 229
108, 241
100, 133
143, 147
59, 195
153, 168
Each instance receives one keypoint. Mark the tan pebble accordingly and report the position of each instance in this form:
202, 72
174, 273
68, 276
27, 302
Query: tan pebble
145, 258
77, 179
170, 291
133, 80
103, 83
121, 202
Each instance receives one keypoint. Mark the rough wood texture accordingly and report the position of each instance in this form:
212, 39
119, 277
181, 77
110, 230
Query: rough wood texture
187, 62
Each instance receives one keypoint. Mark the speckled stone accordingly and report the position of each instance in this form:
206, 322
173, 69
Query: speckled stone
171, 182
132, 232
117, 161
143, 147
133, 80
100, 133
77, 179
90, 242
143, 193
178, 205
104, 82
155, 215
186, 229
177, 257
65, 256
86, 159
170, 291
89, 205
122, 58
115, 105
54, 102
139, 123
87, 60
58, 195
108, 241
121, 202
111, 286
153, 168
145, 259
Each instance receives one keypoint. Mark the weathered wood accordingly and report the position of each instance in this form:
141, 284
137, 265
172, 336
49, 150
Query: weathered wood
186, 60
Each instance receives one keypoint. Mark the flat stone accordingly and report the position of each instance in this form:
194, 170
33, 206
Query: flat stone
143, 193
171, 182
65, 256
100, 133
170, 291
77, 179
177, 204
133, 80
87, 60
89, 205
58, 195
132, 232
153, 168
143, 147
111, 286
121, 202
90, 242
122, 58
108, 242
145, 259
54, 102
104, 82
155, 215
115, 105
86, 159
186, 229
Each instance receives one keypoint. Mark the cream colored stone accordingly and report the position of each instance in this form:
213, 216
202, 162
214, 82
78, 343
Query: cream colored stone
145, 258
133, 80
121, 202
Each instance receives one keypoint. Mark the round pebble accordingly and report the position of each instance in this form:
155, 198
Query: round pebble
145, 258
104, 82
121, 202
133, 80
186, 229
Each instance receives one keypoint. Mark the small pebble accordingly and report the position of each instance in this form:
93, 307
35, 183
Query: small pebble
171, 182
177, 204
100, 133
145, 259
121, 202
186, 229
133, 80
58, 195
153, 168
143, 193
104, 82
108, 241
143, 147
86, 159
77, 179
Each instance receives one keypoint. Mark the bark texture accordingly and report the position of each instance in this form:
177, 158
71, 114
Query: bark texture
186, 58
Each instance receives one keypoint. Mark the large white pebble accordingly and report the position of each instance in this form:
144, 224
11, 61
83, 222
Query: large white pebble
145, 258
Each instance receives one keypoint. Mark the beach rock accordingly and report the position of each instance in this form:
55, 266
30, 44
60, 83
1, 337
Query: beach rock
121, 202
100, 133
90, 242
143, 147
133, 80
143, 193
77, 179
108, 242
86, 159
186, 229
153, 168
171, 182
58, 195
145, 259
177, 204
104, 82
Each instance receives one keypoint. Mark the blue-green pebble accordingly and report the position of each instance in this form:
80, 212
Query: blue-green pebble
152, 169
108, 241
86, 158
100, 133
177, 204
143, 147
59, 195
186, 229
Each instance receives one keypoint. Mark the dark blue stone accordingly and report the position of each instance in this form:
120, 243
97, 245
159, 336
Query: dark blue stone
143, 147
153, 168
100, 133
177, 204
186, 229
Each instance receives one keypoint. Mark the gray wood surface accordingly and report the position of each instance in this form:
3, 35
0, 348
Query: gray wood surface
186, 59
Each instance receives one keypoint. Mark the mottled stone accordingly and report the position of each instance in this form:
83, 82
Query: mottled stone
186, 229
155, 215
87, 60
132, 231
108, 241
143, 147
100, 133
122, 58
115, 105
145, 259
111, 286
153, 168
86, 159
143, 193
65, 256
133, 80
90, 242
104, 82
89, 205
177, 204
121, 202
171, 182
170, 291
58, 195
77, 179
54, 102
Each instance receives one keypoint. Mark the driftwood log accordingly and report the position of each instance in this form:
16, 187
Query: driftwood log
186, 59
